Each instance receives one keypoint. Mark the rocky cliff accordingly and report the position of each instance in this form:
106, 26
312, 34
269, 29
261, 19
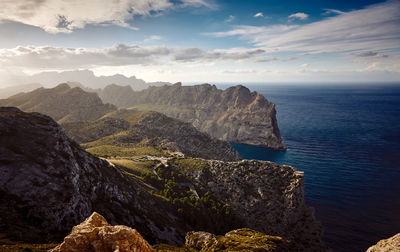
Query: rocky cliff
86, 119
268, 197
391, 244
48, 184
234, 114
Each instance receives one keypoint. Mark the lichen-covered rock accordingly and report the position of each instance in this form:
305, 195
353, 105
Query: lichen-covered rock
243, 239
237, 240
234, 114
391, 244
95, 234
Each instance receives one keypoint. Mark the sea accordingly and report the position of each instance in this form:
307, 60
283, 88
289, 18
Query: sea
346, 139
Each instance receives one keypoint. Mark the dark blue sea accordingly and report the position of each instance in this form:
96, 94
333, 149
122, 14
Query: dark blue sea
346, 138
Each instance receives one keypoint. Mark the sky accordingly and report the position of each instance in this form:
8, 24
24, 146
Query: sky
197, 41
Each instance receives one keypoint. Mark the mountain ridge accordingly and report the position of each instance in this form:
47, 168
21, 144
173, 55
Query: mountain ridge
234, 114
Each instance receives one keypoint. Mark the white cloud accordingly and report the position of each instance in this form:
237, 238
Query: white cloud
47, 57
374, 28
56, 16
230, 19
299, 15
258, 15
332, 11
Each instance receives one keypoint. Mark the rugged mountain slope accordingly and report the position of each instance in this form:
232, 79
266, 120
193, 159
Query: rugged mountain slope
62, 103
234, 114
138, 129
87, 119
49, 184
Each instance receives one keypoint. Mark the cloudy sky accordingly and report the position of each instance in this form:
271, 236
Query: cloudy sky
196, 41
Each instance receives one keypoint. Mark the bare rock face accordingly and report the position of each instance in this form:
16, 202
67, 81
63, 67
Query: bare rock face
95, 234
391, 244
233, 115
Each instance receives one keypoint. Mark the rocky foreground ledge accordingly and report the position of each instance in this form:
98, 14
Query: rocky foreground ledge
391, 244
95, 234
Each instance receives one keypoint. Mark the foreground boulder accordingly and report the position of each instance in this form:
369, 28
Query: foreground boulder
95, 234
237, 240
391, 244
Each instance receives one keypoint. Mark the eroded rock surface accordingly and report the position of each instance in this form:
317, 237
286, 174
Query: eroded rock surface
391, 244
95, 234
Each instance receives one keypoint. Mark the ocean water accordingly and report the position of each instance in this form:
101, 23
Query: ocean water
346, 138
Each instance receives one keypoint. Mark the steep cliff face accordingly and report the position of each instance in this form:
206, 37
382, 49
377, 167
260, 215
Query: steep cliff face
62, 103
234, 114
268, 198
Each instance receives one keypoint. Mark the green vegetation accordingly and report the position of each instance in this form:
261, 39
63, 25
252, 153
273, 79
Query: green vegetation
111, 151
190, 164
13, 246
170, 248
197, 210
136, 167
134, 118
247, 240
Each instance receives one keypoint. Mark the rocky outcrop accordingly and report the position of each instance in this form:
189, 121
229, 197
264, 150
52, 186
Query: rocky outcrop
391, 244
267, 197
95, 234
62, 103
234, 114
